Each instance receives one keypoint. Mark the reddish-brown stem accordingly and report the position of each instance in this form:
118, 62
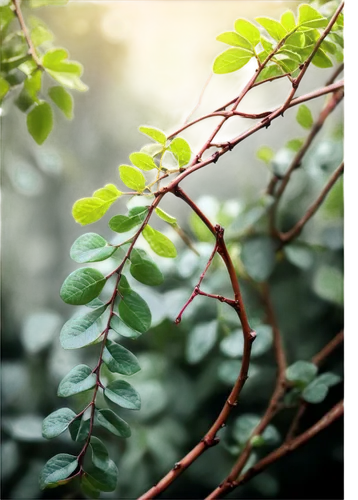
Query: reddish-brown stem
20, 17
297, 228
196, 290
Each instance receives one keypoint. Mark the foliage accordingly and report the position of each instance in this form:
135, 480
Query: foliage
117, 309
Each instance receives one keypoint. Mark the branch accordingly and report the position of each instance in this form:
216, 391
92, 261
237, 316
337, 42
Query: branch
32, 50
297, 228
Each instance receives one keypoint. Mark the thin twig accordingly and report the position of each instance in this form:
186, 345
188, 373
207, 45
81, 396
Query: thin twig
32, 50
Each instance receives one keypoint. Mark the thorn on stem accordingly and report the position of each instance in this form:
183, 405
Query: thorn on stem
229, 145
216, 156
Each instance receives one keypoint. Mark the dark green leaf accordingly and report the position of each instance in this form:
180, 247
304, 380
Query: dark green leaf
123, 223
329, 285
40, 122
248, 31
88, 489
135, 312
143, 161
103, 480
91, 247
301, 372
144, 269
100, 457
122, 329
81, 331
273, 28
181, 150
57, 469
57, 422
201, 340
258, 256
79, 379
159, 243
79, 429
154, 133
113, 423
63, 100
82, 286
119, 360
231, 60
132, 177
123, 394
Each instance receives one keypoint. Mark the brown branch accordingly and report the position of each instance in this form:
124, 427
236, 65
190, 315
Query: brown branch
319, 358
330, 417
32, 50
297, 228
272, 408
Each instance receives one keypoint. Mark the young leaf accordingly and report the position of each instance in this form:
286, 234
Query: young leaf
123, 223
231, 60
270, 71
63, 100
273, 28
259, 257
79, 379
122, 329
66, 72
234, 39
294, 144
57, 469
108, 193
82, 286
159, 243
315, 392
304, 116
248, 31
288, 20
201, 340
81, 331
88, 210
119, 360
135, 312
123, 394
166, 217
265, 154
91, 247
40, 122
301, 372
132, 177
181, 150
4, 88
310, 17
112, 422
246, 424
154, 133
143, 161
144, 269
321, 60
57, 422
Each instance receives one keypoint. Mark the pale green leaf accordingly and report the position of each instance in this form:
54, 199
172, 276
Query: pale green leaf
166, 217
265, 154
310, 17
181, 150
159, 243
248, 31
234, 39
231, 60
273, 28
304, 116
143, 161
132, 177
288, 20
154, 133
63, 100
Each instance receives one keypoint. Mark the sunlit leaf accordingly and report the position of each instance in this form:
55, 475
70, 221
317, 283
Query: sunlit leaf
159, 243
248, 31
63, 100
154, 133
231, 60
82, 286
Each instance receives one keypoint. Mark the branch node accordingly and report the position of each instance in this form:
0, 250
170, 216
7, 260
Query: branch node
266, 122
229, 146
177, 466
209, 442
216, 156
231, 404
252, 335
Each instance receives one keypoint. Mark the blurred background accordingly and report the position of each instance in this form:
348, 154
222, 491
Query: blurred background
146, 63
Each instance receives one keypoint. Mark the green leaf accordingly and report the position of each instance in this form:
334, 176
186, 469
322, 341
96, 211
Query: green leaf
119, 360
315, 392
154, 133
82, 331
234, 39
33, 84
79, 429
265, 154
57, 469
202, 339
39, 34
100, 456
88, 210
40, 122
143, 161
294, 144
88, 489
132, 177
259, 257
144, 269
310, 17
304, 116
328, 284
159, 243
124, 223
301, 373
181, 150
288, 20
4, 88
82, 286
135, 312
34, 4
321, 60
245, 425
273, 28
63, 100
123, 394
329, 379
39, 329
233, 345
166, 217
231, 60
122, 329
28, 67
91, 247
270, 71
66, 72
79, 379
248, 31
103, 479
112, 422
299, 254
57, 422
